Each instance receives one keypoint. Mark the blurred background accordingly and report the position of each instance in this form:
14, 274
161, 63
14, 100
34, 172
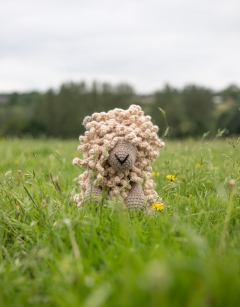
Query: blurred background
63, 60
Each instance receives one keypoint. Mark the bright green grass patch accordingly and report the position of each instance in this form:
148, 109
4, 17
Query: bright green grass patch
51, 254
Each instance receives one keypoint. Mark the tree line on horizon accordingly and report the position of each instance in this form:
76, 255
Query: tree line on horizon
188, 112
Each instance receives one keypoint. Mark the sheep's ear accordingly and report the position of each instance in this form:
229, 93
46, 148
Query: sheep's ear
87, 120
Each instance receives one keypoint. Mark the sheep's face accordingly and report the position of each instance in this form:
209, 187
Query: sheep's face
123, 156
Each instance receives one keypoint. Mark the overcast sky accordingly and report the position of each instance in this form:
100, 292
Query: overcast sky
146, 43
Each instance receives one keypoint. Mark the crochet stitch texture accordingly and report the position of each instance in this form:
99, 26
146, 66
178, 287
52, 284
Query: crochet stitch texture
118, 148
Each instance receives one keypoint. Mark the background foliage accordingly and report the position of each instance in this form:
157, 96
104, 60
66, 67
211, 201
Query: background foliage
191, 111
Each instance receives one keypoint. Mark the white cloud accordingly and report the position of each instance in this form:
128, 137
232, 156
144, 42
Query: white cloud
145, 43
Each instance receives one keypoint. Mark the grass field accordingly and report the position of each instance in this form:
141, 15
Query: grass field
54, 255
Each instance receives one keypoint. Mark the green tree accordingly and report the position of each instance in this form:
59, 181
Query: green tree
169, 99
198, 108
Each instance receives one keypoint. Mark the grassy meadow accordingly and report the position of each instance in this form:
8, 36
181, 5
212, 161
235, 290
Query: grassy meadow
52, 254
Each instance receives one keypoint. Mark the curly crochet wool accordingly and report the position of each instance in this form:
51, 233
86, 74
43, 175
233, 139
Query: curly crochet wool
104, 131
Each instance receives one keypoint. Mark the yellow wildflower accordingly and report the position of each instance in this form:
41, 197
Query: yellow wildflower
171, 177
158, 207
16, 162
198, 165
155, 174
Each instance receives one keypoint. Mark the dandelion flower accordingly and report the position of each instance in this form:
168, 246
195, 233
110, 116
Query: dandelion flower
155, 174
158, 206
171, 177
198, 165
16, 162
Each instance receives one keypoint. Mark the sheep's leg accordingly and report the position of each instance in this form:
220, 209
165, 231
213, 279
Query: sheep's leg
92, 192
136, 197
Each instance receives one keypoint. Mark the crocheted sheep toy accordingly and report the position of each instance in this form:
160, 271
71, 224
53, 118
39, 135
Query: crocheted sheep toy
118, 148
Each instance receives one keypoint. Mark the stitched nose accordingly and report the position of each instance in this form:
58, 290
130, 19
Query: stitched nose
122, 161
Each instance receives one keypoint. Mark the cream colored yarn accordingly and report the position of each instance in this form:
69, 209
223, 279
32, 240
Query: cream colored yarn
104, 130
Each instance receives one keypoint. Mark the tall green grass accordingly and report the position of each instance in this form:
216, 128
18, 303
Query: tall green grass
52, 254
